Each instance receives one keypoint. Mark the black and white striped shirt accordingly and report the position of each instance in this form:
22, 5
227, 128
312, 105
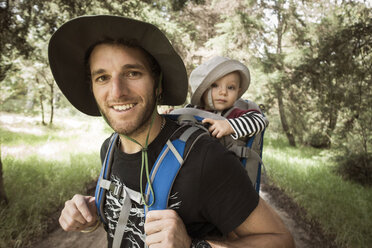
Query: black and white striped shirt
246, 122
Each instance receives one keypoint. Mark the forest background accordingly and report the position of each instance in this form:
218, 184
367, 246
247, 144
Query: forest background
310, 63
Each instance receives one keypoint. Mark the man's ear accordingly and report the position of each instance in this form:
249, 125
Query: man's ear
158, 94
158, 91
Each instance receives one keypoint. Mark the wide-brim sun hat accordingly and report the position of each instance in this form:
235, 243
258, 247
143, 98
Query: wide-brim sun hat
202, 77
69, 44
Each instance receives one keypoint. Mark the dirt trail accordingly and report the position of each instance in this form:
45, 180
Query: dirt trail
304, 234
300, 236
62, 239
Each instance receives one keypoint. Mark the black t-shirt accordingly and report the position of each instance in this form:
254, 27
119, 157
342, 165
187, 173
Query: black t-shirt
212, 192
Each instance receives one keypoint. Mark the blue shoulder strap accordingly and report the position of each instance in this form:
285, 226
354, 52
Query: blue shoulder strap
244, 160
166, 168
104, 174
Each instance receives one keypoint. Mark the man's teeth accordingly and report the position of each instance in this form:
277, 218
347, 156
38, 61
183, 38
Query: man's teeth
123, 107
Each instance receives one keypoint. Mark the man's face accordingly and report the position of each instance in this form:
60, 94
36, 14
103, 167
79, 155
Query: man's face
123, 87
225, 91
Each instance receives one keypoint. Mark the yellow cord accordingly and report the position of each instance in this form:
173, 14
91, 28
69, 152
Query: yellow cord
92, 229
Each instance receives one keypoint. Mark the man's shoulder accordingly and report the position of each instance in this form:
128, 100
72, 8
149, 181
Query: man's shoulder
105, 145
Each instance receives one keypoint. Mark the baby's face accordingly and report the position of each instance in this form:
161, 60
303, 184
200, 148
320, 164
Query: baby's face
225, 91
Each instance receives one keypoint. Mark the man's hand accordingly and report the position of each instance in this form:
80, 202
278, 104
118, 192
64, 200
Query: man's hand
219, 128
78, 213
164, 228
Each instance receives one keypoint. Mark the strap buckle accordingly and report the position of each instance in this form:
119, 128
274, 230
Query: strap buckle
116, 190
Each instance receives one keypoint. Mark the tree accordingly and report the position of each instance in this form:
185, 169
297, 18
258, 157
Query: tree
335, 70
3, 198
274, 59
12, 36
32, 23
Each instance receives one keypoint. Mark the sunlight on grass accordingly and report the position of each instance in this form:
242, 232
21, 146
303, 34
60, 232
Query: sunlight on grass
65, 137
42, 168
342, 208
37, 187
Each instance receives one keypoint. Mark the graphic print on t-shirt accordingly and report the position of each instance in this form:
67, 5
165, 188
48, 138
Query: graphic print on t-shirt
134, 231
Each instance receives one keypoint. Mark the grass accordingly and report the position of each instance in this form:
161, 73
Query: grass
36, 188
43, 167
342, 208
22, 138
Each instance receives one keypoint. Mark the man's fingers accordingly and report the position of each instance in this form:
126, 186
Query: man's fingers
153, 227
67, 222
157, 222
92, 207
71, 213
160, 214
153, 215
164, 228
154, 238
81, 203
78, 213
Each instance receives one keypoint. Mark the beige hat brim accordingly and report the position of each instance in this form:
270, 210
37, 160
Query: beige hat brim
206, 74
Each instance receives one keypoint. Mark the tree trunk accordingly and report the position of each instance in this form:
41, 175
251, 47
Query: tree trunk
51, 103
41, 103
3, 198
333, 116
42, 109
283, 118
279, 94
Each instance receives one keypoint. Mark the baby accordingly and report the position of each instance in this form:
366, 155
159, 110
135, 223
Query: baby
216, 86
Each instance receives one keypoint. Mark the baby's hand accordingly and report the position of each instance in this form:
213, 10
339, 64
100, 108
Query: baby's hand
218, 128
167, 111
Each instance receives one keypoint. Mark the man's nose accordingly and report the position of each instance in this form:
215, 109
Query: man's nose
119, 88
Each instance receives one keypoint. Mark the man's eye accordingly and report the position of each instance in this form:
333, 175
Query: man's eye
134, 74
101, 78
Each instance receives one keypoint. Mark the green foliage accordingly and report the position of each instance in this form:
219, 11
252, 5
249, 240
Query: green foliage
238, 32
319, 140
356, 167
42, 168
36, 188
178, 5
9, 138
28, 84
313, 56
332, 78
342, 208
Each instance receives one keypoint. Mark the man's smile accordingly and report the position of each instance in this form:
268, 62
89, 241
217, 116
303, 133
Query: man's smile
123, 107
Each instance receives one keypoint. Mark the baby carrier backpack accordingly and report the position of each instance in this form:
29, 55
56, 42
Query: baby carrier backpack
247, 149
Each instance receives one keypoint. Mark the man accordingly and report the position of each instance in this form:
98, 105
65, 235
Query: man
121, 69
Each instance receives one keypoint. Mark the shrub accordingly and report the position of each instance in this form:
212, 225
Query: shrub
319, 140
356, 167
